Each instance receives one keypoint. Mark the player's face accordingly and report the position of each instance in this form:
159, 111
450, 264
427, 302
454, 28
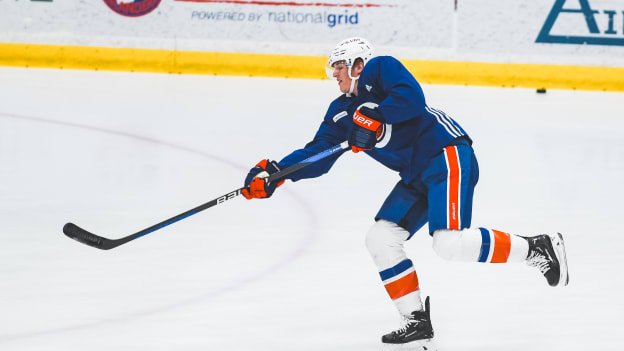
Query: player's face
341, 73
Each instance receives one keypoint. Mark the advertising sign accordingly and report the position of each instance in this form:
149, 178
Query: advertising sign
592, 22
564, 32
389, 22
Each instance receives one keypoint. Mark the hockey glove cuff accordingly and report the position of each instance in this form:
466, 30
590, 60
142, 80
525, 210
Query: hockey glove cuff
256, 185
367, 127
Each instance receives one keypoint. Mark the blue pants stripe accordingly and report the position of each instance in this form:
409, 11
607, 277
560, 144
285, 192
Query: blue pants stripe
485, 245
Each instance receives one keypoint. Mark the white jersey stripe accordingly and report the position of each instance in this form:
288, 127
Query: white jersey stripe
449, 122
442, 123
442, 120
452, 123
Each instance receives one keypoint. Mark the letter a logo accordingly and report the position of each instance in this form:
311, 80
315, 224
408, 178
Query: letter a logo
574, 26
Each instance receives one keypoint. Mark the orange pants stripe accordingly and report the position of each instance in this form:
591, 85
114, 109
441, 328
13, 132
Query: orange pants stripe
453, 187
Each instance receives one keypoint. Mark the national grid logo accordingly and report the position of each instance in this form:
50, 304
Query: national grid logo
333, 14
331, 19
593, 22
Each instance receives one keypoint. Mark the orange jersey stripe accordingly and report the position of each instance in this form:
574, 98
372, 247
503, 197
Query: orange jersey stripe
453, 188
403, 286
502, 247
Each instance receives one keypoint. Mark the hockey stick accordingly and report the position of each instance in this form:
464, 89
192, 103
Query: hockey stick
85, 237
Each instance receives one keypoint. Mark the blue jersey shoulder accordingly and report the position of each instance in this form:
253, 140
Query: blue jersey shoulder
386, 81
374, 66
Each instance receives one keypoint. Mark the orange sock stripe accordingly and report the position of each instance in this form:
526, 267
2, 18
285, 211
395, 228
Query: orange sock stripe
403, 286
453, 188
263, 164
502, 247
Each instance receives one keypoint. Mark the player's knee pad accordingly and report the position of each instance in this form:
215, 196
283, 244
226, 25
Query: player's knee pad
456, 245
385, 241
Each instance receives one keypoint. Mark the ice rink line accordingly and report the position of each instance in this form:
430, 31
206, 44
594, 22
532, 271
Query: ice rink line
548, 162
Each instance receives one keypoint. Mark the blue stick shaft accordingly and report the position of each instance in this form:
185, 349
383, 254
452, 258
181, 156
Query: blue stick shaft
85, 237
297, 166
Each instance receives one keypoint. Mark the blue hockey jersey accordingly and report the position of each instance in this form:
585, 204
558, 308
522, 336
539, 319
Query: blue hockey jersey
413, 132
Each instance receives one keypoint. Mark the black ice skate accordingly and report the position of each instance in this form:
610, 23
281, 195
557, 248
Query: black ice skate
416, 334
547, 253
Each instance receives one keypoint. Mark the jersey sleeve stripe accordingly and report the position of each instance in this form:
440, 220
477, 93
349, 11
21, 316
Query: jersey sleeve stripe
445, 120
451, 123
443, 123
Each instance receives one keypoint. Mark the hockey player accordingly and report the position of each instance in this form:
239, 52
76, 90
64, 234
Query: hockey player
383, 113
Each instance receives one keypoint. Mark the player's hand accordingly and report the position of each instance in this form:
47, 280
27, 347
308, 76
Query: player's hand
367, 127
256, 186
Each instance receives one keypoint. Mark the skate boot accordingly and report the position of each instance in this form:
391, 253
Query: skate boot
416, 334
547, 253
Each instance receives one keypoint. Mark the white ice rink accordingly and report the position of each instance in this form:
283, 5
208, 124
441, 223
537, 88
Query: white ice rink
118, 152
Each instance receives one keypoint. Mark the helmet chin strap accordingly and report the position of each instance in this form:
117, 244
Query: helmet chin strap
353, 81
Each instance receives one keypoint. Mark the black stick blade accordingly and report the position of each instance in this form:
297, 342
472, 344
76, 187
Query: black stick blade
75, 232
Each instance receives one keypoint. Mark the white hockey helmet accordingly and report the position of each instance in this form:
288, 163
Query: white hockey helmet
347, 51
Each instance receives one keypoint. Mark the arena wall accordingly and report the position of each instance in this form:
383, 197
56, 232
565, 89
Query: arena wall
565, 44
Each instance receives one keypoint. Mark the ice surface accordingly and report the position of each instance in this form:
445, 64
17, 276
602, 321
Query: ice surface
118, 152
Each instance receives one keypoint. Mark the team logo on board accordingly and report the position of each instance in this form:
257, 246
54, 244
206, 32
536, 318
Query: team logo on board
132, 8
594, 22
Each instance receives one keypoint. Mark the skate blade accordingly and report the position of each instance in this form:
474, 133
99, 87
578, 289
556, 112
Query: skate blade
559, 246
417, 345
